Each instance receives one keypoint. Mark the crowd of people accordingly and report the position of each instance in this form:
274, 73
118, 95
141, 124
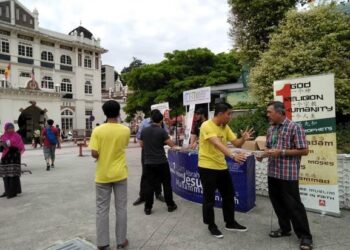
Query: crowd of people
285, 145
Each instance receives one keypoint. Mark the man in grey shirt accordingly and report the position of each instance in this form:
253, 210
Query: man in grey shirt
156, 169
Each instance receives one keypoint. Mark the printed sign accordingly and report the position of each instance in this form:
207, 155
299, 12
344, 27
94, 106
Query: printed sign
310, 101
188, 126
162, 107
196, 96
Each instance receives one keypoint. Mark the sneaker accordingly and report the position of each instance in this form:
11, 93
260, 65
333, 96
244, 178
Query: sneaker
172, 208
52, 165
160, 198
235, 227
48, 168
124, 245
148, 211
216, 232
139, 201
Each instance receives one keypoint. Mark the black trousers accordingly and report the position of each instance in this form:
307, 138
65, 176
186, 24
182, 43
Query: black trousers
286, 202
221, 180
12, 186
143, 184
154, 175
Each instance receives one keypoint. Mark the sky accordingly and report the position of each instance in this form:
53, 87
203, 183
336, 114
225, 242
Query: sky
145, 29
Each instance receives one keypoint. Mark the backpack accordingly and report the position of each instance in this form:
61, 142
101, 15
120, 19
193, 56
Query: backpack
51, 136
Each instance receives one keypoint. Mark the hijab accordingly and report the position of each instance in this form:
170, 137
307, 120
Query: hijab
14, 138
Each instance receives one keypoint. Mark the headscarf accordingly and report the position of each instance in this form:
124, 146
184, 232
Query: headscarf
14, 138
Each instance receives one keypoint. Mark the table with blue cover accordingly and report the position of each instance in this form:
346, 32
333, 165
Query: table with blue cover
185, 180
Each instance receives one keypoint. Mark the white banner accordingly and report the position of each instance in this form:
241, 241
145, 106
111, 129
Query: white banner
188, 126
196, 96
162, 107
310, 101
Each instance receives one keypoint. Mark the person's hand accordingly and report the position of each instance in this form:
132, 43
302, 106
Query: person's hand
247, 134
193, 145
273, 152
239, 157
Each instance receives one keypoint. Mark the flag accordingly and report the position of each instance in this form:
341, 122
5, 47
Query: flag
7, 71
33, 75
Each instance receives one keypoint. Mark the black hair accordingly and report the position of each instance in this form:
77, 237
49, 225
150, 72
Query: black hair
278, 107
111, 109
222, 107
156, 116
50, 122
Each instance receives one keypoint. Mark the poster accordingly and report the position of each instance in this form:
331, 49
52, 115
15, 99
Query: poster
310, 101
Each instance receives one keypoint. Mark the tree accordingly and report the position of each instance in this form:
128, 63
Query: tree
179, 71
307, 43
253, 21
136, 63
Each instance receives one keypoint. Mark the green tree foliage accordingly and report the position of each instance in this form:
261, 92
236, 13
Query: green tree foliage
253, 21
180, 71
136, 63
307, 43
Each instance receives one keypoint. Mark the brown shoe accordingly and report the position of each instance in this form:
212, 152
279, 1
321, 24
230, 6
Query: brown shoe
124, 245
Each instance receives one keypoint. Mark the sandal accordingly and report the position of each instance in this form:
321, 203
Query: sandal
305, 244
279, 233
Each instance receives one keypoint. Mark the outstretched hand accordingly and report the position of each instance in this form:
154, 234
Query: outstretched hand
247, 134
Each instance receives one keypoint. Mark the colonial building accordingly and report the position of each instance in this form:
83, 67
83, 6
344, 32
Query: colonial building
45, 74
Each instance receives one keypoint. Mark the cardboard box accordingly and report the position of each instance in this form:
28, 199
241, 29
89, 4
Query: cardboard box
257, 144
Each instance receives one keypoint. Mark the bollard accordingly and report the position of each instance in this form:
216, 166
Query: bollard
80, 149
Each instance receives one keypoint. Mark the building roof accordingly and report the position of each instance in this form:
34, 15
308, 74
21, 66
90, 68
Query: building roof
86, 33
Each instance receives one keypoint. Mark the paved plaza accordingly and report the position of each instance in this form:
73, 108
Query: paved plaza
59, 205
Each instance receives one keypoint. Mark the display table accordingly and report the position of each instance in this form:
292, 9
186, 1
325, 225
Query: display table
185, 180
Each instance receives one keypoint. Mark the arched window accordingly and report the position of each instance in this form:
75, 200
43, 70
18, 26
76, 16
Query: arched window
47, 56
47, 82
66, 85
87, 62
66, 60
88, 87
67, 120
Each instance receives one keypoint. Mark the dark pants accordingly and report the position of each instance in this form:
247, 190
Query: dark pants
143, 184
154, 175
12, 186
286, 202
221, 180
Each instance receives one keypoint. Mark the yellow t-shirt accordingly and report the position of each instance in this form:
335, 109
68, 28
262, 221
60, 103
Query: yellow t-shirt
209, 156
110, 141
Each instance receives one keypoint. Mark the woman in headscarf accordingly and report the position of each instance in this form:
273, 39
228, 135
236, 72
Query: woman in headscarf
10, 166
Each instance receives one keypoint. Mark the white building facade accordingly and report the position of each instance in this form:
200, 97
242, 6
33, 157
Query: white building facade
47, 75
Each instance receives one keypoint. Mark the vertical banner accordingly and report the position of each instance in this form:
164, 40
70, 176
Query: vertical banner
310, 101
188, 126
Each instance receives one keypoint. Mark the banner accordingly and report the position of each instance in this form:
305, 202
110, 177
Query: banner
196, 96
188, 125
310, 101
162, 107
185, 179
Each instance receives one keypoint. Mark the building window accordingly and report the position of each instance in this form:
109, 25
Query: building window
4, 45
67, 120
87, 62
47, 56
7, 11
25, 50
24, 18
25, 74
47, 83
17, 14
66, 85
88, 122
66, 60
88, 87
96, 62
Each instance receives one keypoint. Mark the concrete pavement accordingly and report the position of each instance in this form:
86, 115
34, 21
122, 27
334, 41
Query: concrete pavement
59, 205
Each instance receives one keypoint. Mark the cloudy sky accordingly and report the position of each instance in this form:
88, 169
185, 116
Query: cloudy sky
145, 29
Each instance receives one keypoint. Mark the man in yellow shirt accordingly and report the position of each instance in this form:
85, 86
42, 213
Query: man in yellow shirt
107, 144
213, 138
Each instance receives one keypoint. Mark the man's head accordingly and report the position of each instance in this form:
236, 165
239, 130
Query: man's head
111, 109
223, 112
276, 112
156, 116
50, 122
57, 126
199, 114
